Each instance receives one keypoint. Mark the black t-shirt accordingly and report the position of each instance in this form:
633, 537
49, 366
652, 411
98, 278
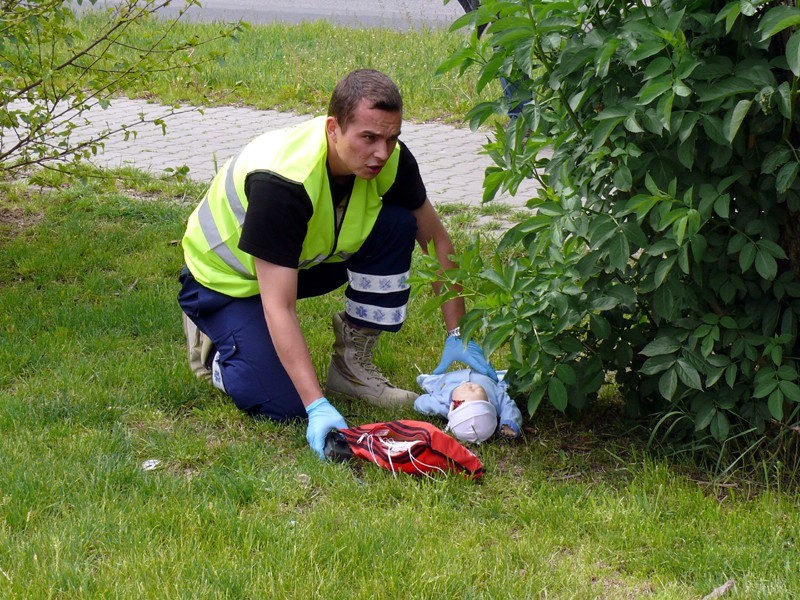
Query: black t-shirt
278, 211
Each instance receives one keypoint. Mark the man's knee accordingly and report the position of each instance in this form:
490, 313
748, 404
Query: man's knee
256, 385
397, 222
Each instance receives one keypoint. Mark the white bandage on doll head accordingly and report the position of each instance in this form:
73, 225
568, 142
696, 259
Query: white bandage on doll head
472, 418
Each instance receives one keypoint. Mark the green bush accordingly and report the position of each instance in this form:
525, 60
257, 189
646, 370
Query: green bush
664, 245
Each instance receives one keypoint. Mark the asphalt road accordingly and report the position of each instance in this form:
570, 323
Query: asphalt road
393, 14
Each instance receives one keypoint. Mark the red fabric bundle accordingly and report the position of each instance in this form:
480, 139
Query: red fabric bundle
414, 447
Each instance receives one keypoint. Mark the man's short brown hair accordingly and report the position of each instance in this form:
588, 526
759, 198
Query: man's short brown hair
363, 84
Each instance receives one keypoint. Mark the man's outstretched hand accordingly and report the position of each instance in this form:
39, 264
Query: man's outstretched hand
322, 418
471, 355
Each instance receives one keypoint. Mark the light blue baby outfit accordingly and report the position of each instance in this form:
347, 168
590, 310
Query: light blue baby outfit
439, 388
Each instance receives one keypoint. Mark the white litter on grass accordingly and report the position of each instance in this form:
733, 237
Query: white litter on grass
150, 465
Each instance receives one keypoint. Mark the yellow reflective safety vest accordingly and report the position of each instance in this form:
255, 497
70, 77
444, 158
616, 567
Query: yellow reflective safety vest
297, 154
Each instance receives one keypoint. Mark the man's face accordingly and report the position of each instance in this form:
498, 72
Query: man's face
367, 143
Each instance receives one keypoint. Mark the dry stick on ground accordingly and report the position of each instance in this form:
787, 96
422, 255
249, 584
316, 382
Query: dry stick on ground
721, 590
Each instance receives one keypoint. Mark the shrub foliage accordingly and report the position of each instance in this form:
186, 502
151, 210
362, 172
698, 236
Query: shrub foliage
664, 245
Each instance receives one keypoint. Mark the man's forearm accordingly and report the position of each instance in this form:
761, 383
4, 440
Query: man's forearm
292, 350
455, 308
452, 311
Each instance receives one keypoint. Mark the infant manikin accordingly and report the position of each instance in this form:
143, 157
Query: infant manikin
472, 418
474, 405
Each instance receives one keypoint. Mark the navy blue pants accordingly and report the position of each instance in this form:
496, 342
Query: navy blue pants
376, 297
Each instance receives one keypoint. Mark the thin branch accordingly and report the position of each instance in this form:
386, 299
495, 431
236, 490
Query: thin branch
125, 20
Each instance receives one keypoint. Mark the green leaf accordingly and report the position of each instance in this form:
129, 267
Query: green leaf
748, 7
793, 53
623, 292
663, 268
729, 13
657, 67
566, 374
664, 302
662, 246
535, 399
772, 248
785, 99
766, 266
599, 326
623, 180
732, 86
747, 256
496, 337
720, 426
654, 89
495, 277
557, 393
601, 229
681, 89
722, 205
734, 117
699, 245
707, 346
667, 384
619, 252
730, 374
604, 56
687, 125
604, 129
489, 72
775, 405
679, 229
736, 243
601, 303
777, 19
664, 109
688, 374
686, 152
632, 124
656, 364
786, 176
777, 157
641, 205
661, 345
790, 390
705, 413
764, 387
713, 376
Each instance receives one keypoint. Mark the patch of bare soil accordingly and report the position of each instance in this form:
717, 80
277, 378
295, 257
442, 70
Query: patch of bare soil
14, 220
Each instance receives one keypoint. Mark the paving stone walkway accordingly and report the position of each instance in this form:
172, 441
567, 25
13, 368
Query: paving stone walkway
450, 158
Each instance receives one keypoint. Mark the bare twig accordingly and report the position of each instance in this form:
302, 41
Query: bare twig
721, 590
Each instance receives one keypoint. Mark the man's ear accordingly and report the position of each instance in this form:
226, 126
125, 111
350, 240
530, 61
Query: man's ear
330, 127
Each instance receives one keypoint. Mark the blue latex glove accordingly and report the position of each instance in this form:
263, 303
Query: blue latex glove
472, 356
322, 418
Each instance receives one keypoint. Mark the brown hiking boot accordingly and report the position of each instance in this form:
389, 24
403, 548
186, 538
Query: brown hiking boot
199, 349
352, 372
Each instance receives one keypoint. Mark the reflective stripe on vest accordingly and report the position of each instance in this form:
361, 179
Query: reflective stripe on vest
298, 155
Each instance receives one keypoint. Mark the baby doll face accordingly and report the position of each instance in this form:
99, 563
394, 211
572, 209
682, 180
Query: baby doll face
472, 418
466, 392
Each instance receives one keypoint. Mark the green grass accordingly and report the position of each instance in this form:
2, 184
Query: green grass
93, 382
295, 67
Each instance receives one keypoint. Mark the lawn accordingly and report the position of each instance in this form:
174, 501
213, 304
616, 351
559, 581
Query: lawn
93, 383
125, 477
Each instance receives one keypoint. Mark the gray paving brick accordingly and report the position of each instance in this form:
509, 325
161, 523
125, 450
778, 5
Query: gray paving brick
450, 158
